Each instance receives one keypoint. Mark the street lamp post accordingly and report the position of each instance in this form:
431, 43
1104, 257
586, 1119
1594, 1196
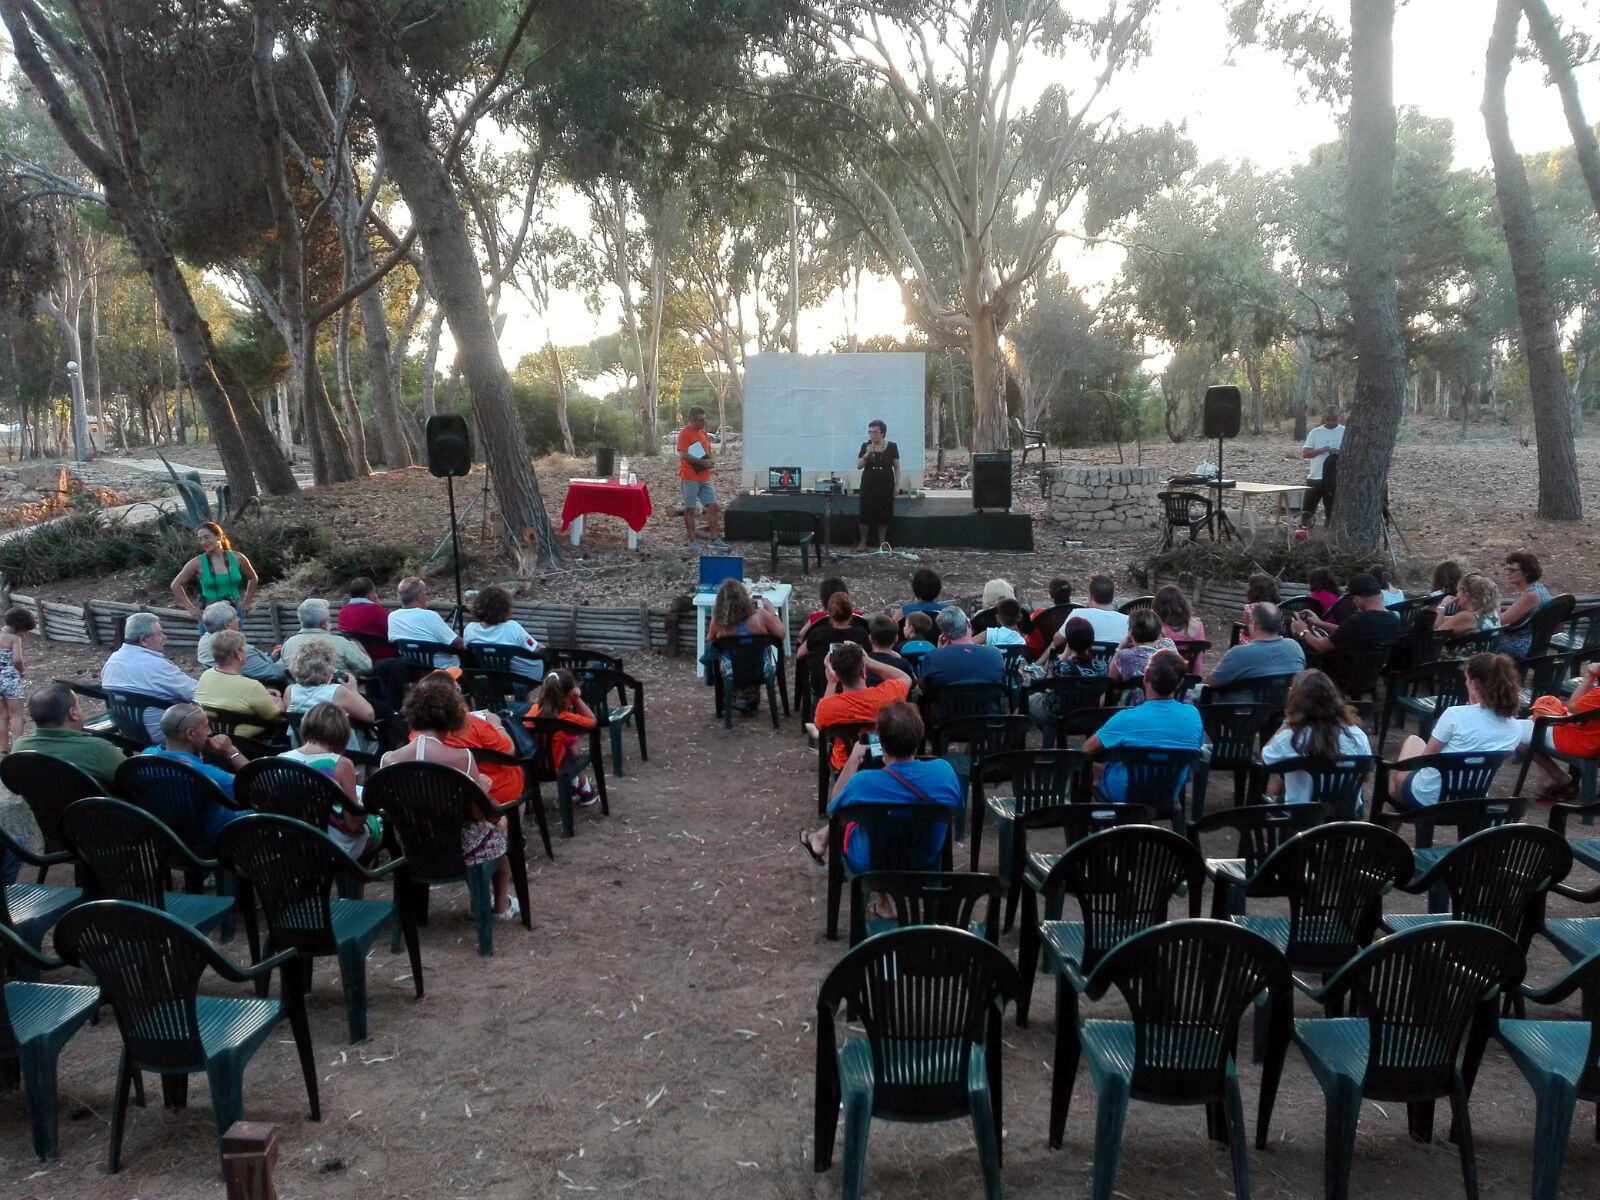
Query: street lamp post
80, 414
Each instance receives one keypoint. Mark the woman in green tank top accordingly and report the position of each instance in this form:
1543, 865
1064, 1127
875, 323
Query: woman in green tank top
221, 572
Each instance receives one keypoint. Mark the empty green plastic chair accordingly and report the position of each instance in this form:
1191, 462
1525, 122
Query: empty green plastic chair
1561, 1062
149, 965
36, 1021
1423, 995
32, 908
930, 1001
292, 869
130, 855
1185, 984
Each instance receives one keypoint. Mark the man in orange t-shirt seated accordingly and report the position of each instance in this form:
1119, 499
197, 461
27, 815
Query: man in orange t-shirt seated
695, 464
1581, 740
855, 700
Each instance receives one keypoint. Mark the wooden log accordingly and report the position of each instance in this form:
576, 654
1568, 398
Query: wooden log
249, 1153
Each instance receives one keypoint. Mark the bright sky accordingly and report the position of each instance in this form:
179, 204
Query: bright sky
1246, 105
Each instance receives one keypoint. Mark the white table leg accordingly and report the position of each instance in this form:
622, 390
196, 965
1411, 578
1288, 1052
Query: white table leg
577, 531
788, 641
633, 538
700, 641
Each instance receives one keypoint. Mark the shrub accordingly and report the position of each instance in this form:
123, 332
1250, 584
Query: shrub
1237, 561
79, 544
379, 562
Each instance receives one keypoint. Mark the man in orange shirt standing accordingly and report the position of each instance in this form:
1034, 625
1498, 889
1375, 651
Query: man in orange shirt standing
695, 464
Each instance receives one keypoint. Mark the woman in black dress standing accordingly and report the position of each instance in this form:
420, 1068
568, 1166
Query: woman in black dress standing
879, 464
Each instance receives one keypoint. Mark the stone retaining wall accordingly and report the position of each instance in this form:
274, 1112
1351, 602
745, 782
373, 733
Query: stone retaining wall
1105, 499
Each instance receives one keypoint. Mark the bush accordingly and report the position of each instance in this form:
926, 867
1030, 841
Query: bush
380, 562
593, 422
1237, 561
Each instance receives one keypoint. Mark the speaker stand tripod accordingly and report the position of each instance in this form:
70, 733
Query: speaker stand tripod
1222, 528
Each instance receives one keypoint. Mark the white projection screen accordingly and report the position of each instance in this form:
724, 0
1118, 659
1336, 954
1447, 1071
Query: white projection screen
811, 411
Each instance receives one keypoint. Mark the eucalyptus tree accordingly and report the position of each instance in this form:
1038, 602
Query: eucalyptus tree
963, 185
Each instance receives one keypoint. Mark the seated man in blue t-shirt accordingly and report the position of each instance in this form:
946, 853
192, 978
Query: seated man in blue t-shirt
1160, 723
958, 661
186, 735
925, 586
903, 779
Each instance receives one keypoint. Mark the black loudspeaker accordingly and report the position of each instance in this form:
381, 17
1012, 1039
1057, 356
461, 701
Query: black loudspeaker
991, 480
1224, 404
449, 446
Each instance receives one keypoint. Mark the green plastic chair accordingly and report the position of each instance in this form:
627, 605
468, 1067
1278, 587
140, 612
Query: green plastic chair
1466, 817
47, 786
31, 909
130, 855
899, 837
1258, 830
1073, 822
598, 686
36, 1021
1124, 880
930, 1001
932, 898
292, 867
1561, 1062
149, 965
1185, 984
1422, 993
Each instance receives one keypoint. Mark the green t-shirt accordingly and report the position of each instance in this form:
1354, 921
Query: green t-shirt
93, 755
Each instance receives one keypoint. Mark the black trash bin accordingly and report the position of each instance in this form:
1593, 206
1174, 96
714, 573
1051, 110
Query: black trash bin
605, 462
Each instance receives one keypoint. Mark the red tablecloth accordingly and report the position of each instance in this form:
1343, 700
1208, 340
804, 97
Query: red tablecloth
630, 501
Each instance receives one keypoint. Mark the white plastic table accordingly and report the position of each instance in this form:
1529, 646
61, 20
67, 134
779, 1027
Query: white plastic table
778, 593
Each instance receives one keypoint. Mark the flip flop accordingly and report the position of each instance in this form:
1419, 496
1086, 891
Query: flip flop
805, 844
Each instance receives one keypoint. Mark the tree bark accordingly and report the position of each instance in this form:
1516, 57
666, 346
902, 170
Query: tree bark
559, 378
1554, 53
1379, 399
349, 403
1302, 386
1560, 497
1258, 408
430, 365
380, 380
401, 123
988, 386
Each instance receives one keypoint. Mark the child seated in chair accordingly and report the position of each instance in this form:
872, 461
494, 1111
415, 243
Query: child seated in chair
559, 696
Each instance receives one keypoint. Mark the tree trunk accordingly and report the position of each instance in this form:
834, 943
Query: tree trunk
558, 376
1258, 410
1380, 387
94, 358
349, 402
1302, 387
401, 123
989, 430
794, 267
1560, 497
380, 380
1554, 53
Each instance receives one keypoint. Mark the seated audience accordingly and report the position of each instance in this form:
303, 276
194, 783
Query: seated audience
1043, 623
995, 592
414, 621
1179, 621
1006, 626
830, 585
1446, 582
735, 613
1528, 595
839, 624
1109, 625
1323, 586
436, 714
850, 697
1317, 723
492, 625
1391, 594
316, 681
882, 635
58, 732
957, 661
1075, 641
1267, 653
1575, 741
1160, 723
1261, 589
362, 614
186, 736
1486, 723
140, 665
1367, 623
324, 734
925, 586
222, 615
226, 688
1133, 656
903, 779
918, 632
559, 696
1477, 608
315, 623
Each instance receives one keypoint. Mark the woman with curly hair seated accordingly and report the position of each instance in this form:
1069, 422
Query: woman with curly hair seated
1477, 608
492, 625
441, 732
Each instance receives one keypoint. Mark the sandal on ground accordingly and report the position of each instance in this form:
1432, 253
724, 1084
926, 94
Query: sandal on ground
1559, 793
585, 795
512, 912
805, 844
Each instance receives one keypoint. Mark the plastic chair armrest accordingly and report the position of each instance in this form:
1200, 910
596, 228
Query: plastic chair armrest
30, 857
1556, 992
17, 948
234, 973
1560, 812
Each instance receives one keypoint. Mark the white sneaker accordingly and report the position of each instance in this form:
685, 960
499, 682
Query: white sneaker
512, 912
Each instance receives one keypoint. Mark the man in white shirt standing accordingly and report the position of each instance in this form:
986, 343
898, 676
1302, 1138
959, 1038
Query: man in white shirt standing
1322, 441
414, 621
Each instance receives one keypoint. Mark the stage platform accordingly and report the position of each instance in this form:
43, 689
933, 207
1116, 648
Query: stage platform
929, 521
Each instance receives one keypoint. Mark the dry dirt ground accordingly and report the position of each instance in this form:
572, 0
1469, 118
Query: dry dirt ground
653, 1036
